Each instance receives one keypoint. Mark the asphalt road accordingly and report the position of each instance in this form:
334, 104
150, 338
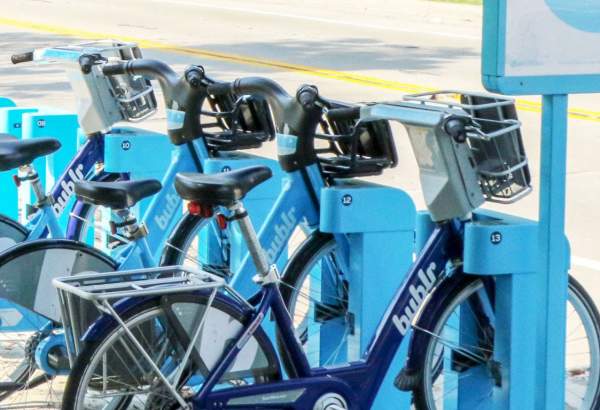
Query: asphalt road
374, 50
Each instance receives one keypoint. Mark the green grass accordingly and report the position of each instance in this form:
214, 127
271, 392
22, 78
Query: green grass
477, 2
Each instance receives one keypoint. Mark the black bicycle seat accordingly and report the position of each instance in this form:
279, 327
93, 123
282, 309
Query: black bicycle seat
7, 137
15, 153
220, 189
116, 195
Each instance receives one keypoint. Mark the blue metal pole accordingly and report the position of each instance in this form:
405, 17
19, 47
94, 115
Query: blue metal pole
552, 255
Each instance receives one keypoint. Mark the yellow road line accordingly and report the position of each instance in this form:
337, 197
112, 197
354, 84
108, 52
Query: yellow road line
524, 105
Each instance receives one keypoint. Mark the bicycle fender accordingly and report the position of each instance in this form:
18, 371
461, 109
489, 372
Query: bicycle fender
427, 319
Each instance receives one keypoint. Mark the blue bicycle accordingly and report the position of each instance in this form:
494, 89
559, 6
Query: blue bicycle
135, 102
30, 326
182, 338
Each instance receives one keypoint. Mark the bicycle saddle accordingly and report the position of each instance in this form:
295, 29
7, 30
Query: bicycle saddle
220, 189
116, 195
7, 137
15, 153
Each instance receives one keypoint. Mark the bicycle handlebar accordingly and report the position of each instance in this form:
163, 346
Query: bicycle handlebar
456, 128
183, 93
219, 89
114, 69
307, 95
149, 68
22, 57
345, 113
299, 116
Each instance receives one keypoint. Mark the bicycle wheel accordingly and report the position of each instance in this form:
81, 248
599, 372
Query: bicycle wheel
197, 242
315, 291
459, 350
316, 295
29, 313
110, 372
11, 233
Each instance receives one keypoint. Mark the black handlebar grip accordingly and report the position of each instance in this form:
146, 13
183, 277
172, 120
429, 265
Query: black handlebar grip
307, 95
346, 113
456, 128
219, 89
22, 58
114, 69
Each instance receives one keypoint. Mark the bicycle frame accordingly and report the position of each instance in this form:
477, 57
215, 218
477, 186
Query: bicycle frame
163, 212
160, 217
297, 205
364, 376
80, 168
357, 382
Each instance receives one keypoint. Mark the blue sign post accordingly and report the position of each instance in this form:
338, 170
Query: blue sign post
552, 48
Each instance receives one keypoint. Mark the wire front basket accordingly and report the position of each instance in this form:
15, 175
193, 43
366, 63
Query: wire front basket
237, 123
103, 100
495, 141
133, 93
355, 148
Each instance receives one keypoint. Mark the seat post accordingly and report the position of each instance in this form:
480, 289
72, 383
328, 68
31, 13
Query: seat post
256, 251
132, 229
28, 173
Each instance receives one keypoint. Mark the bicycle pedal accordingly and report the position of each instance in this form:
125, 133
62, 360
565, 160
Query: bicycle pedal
406, 380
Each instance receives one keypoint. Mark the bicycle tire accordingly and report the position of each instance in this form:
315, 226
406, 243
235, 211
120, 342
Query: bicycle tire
423, 389
310, 249
86, 358
25, 264
180, 243
292, 278
11, 232
180, 239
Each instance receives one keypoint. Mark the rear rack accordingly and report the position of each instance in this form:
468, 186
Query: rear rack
494, 139
100, 287
83, 298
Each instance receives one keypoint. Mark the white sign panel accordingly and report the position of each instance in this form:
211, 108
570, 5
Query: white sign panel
542, 39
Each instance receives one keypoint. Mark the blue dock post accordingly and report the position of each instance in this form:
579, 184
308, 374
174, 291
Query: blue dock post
11, 122
49, 123
6, 102
143, 154
553, 280
382, 253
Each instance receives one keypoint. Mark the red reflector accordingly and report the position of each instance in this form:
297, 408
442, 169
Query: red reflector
194, 208
17, 180
222, 221
198, 209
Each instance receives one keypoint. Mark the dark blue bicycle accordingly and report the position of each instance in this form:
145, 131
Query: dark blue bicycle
179, 338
